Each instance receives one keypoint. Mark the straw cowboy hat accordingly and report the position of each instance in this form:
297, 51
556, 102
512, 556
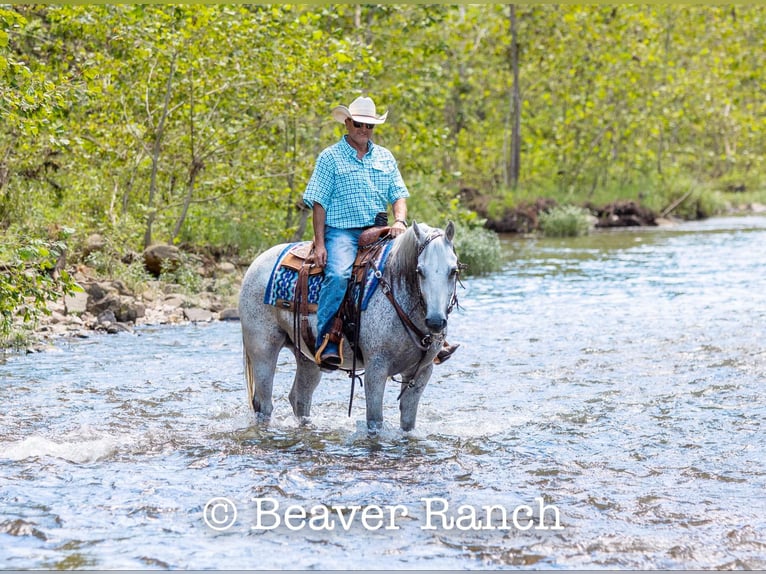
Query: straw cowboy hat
361, 110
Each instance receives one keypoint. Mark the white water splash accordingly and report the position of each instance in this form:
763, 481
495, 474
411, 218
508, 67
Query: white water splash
77, 449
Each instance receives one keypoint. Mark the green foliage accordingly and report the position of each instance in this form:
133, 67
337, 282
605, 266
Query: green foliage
29, 279
565, 221
479, 249
199, 124
183, 273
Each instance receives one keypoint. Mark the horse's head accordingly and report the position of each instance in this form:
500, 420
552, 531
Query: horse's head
437, 273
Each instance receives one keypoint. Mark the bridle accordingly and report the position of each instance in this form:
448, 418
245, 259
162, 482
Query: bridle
422, 340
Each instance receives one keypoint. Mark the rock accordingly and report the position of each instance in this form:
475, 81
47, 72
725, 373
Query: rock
57, 306
95, 290
197, 315
120, 287
523, 218
56, 317
106, 317
226, 267
94, 243
148, 295
230, 314
76, 303
127, 313
41, 348
159, 257
757, 208
624, 213
110, 301
114, 328
174, 301
140, 309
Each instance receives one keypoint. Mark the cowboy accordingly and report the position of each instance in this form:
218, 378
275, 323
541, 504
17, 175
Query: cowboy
353, 181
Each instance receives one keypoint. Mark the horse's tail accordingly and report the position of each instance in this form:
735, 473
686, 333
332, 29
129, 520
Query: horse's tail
249, 377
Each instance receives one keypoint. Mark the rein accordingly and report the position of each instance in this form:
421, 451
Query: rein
422, 341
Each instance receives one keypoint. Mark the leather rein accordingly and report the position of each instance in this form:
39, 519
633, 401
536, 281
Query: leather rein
423, 341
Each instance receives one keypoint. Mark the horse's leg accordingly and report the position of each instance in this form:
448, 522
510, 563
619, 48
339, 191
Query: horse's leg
374, 386
408, 404
307, 377
261, 354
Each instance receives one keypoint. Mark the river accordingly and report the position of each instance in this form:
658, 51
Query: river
607, 398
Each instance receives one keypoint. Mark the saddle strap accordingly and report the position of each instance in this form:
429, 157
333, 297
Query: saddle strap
301, 309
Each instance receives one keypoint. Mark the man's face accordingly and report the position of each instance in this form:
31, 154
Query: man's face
359, 133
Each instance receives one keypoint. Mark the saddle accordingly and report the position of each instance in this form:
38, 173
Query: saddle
301, 259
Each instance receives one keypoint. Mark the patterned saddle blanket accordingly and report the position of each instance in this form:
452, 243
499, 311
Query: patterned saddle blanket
280, 290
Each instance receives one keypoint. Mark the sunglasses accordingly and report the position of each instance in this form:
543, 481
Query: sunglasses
359, 125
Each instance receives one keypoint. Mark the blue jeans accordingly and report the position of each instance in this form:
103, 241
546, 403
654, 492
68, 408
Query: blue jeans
341, 245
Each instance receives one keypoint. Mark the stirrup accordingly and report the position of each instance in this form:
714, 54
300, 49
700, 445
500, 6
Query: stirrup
332, 362
445, 353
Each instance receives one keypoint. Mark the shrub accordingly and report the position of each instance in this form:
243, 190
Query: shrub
183, 273
29, 278
565, 221
479, 249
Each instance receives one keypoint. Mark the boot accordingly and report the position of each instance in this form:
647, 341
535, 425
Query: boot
445, 352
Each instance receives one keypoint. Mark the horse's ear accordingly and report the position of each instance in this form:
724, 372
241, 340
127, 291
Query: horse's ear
418, 232
449, 231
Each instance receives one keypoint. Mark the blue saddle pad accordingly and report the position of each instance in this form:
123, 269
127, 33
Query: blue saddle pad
281, 285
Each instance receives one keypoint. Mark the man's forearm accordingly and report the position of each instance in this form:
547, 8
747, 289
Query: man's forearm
319, 215
400, 210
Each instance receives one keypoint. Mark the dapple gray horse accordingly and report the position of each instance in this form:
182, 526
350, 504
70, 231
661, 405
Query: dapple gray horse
422, 272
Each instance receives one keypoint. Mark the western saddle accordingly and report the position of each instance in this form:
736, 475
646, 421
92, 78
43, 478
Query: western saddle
301, 259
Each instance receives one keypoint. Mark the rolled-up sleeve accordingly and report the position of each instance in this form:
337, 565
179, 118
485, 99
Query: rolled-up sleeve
397, 189
321, 183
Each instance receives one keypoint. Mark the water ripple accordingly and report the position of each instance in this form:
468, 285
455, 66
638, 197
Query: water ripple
620, 382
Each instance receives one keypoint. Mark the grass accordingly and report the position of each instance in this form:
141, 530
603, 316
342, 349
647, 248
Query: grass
565, 221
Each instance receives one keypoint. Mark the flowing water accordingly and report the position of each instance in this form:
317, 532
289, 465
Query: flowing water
607, 397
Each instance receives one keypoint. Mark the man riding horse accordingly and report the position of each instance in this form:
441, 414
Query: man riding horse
353, 182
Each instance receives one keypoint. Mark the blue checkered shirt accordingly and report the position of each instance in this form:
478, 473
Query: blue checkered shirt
351, 190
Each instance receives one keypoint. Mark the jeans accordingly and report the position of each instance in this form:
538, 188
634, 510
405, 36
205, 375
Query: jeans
341, 245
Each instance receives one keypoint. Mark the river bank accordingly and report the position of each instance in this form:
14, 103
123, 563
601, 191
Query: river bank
111, 306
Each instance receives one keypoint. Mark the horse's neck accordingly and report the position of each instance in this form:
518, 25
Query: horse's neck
404, 285
407, 298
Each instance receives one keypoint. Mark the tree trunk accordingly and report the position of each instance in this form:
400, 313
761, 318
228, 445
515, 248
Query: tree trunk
152, 212
195, 166
514, 159
194, 169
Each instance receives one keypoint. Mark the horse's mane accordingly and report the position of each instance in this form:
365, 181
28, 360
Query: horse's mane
403, 261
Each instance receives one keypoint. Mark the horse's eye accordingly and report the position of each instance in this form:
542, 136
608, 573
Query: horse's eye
420, 271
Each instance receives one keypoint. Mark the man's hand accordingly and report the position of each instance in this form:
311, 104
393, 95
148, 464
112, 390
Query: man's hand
320, 255
397, 229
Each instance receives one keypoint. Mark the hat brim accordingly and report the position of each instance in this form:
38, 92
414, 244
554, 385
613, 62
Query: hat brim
342, 113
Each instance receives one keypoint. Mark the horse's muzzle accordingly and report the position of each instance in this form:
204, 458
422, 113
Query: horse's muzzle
436, 325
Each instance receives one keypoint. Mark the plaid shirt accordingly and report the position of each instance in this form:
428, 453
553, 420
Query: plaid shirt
351, 190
